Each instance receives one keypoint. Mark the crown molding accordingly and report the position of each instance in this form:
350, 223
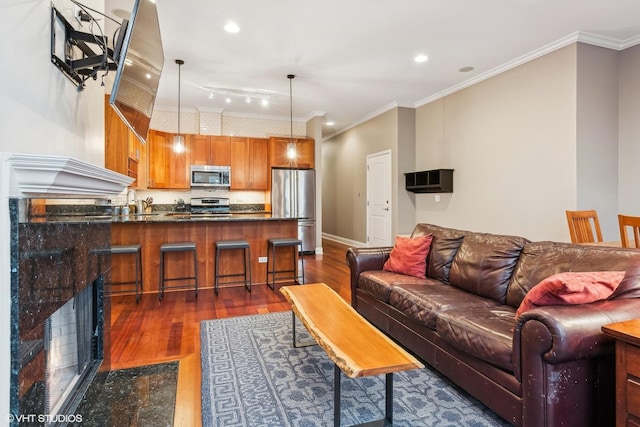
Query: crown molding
579, 36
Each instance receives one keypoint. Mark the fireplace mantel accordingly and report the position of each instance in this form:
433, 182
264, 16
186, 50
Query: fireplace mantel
59, 176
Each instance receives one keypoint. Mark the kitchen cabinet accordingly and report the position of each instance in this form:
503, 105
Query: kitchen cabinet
249, 163
124, 153
431, 181
166, 168
116, 140
305, 152
210, 150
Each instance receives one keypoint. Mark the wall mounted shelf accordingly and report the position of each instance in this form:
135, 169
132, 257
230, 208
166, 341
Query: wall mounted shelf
431, 181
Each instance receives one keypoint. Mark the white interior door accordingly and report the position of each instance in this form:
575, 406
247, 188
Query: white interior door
379, 199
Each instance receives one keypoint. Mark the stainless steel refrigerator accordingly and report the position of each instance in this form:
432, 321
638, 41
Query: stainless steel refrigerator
293, 195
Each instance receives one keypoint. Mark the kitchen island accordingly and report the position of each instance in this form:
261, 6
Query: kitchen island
153, 230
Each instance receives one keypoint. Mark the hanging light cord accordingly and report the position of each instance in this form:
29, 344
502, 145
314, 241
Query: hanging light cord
179, 62
290, 77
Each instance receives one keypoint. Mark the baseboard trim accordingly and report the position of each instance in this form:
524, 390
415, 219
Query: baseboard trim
344, 241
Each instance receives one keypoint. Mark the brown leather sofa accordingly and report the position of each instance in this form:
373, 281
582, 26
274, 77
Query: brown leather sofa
551, 367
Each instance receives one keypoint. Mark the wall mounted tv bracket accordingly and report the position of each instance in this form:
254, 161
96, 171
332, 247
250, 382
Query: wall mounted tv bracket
67, 42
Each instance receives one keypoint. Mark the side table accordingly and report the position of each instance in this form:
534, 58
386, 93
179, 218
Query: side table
627, 336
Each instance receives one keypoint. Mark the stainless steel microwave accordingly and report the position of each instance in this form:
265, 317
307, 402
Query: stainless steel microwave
210, 176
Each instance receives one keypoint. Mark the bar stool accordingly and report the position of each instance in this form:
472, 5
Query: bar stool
136, 251
272, 245
177, 247
246, 254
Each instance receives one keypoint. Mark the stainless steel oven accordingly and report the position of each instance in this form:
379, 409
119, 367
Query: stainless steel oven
210, 176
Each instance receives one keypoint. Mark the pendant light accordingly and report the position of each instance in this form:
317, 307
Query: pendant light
291, 147
178, 140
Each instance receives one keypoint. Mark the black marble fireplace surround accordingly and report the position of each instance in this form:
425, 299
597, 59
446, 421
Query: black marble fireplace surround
53, 259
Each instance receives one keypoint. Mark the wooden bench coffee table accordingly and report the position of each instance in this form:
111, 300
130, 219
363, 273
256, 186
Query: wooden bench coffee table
353, 344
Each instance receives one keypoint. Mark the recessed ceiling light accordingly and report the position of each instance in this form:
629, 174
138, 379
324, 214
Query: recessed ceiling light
265, 102
421, 58
231, 27
228, 99
329, 123
465, 69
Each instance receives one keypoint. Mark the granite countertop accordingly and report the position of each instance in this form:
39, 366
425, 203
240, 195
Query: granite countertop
159, 217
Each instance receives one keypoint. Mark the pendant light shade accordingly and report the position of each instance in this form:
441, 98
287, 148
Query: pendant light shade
291, 147
178, 140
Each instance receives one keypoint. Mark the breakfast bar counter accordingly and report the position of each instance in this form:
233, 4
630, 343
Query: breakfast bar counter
151, 231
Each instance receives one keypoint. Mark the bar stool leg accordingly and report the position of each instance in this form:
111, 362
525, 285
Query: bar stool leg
302, 263
215, 281
247, 281
161, 278
138, 268
141, 270
195, 271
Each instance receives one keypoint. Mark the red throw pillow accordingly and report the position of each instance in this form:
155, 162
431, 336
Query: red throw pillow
409, 256
571, 288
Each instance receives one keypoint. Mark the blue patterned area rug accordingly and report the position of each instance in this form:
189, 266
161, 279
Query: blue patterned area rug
252, 376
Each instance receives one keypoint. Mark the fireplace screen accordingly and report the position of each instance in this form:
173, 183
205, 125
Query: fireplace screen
68, 345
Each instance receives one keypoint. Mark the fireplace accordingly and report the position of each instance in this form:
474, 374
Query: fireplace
59, 313
44, 263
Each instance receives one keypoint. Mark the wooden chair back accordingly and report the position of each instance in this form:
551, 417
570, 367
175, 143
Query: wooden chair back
633, 222
582, 225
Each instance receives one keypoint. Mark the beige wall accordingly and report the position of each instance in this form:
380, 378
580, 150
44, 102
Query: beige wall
526, 145
511, 141
629, 132
344, 174
597, 135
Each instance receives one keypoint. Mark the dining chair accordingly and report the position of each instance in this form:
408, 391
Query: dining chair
633, 222
582, 225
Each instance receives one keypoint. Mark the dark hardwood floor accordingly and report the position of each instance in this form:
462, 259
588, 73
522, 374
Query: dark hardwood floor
154, 332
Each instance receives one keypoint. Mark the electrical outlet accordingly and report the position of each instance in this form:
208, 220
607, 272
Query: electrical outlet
262, 259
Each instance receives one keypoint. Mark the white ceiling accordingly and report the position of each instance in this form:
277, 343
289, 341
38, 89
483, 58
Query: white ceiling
354, 58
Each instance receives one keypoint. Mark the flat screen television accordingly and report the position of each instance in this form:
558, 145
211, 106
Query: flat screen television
138, 53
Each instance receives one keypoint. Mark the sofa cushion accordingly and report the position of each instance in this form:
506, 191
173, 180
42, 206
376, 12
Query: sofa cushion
423, 303
409, 256
543, 259
484, 332
571, 288
444, 246
379, 282
484, 264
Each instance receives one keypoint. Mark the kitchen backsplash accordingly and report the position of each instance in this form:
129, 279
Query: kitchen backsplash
250, 200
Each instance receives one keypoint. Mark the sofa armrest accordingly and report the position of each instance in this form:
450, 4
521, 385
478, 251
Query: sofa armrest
570, 332
363, 259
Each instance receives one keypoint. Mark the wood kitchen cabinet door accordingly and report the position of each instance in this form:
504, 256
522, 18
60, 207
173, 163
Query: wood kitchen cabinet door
258, 163
123, 151
116, 140
210, 150
158, 159
200, 149
220, 150
305, 152
166, 168
249, 163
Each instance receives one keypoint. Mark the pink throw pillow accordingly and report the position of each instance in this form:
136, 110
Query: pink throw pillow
409, 256
571, 288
